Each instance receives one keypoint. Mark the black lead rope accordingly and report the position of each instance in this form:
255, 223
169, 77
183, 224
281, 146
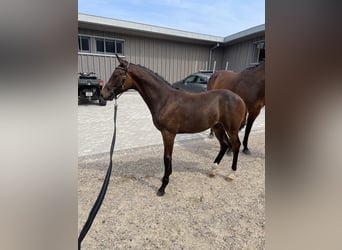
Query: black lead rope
103, 191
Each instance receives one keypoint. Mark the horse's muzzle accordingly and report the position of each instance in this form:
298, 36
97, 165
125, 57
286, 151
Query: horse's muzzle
107, 95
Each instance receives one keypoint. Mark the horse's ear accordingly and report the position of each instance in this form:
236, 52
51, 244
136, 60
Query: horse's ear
121, 61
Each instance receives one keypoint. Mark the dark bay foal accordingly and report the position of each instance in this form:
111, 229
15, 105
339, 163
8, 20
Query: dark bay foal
175, 111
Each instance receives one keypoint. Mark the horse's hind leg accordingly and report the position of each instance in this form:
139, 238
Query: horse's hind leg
235, 141
211, 135
224, 145
250, 120
168, 139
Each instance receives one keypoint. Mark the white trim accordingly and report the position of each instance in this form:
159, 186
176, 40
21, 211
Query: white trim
105, 37
98, 54
259, 41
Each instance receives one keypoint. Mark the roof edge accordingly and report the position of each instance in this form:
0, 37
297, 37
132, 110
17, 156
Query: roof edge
244, 33
86, 18
146, 28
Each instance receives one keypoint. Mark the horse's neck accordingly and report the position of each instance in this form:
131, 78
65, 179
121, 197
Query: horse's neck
151, 90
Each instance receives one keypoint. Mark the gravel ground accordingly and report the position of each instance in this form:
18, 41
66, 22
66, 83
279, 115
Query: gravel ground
197, 212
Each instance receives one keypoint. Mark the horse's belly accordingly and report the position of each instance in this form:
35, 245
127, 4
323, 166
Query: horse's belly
192, 130
195, 125
195, 117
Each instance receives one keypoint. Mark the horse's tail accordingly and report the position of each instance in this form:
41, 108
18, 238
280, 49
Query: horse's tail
243, 123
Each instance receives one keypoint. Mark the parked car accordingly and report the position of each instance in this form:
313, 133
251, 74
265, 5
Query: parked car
89, 87
195, 83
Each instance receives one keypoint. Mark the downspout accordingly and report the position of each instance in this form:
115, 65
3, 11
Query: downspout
211, 52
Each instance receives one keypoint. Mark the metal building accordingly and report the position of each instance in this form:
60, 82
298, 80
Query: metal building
171, 53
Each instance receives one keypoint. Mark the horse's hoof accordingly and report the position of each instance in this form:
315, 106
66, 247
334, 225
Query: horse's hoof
230, 177
246, 151
213, 170
160, 192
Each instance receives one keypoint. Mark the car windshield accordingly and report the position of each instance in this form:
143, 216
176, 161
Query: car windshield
202, 80
196, 79
190, 79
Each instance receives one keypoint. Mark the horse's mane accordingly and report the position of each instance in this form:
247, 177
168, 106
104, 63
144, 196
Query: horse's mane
159, 77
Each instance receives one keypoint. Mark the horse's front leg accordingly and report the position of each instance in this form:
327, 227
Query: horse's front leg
168, 139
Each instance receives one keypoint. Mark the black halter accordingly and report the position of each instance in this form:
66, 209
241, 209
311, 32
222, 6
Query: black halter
112, 90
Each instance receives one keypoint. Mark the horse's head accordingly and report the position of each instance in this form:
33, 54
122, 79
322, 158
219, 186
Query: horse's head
119, 81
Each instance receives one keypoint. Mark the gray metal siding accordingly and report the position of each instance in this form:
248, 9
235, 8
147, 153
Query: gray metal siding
239, 55
216, 56
171, 60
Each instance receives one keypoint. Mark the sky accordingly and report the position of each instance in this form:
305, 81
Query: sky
216, 17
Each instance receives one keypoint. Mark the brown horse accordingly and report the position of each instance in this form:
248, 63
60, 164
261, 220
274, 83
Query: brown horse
250, 85
175, 111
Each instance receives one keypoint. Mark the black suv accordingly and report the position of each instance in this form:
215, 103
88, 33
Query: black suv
89, 87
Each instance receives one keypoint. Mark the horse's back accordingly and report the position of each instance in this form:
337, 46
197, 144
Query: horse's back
230, 104
228, 95
208, 99
247, 84
223, 79
221, 94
